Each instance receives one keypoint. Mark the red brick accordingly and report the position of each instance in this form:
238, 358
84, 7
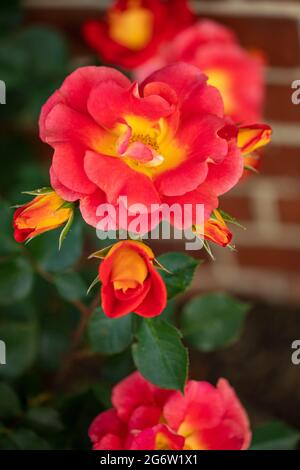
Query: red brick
276, 37
279, 106
290, 211
269, 258
239, 207
281, 161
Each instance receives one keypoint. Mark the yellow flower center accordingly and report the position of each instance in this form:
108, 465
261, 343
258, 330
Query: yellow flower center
145, 146
157, 138
147, 140
133, 27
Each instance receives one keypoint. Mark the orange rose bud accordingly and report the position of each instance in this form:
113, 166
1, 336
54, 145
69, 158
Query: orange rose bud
43, 213
130, 283
215, 230
251, 138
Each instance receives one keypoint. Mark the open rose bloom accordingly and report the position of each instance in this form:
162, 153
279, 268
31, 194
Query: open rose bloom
161, 142
130, 283
132, 30
145, 417
214, 49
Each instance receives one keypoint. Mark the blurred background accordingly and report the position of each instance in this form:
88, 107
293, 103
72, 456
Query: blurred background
40, 43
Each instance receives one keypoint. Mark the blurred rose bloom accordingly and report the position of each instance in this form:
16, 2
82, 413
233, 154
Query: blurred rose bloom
132, 30
214, 49
145, 417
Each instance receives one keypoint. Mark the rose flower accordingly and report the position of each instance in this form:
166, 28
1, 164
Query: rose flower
130, 283
145, 417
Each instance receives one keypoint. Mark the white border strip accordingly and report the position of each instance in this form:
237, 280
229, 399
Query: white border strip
270, 9
80, 4
233, 8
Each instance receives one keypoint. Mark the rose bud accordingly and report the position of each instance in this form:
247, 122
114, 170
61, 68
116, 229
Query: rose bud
45, 212
130, 283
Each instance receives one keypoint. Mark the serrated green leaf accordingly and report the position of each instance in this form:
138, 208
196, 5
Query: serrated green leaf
159, 354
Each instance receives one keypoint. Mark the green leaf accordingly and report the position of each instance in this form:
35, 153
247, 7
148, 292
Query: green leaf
159, 354
182, 268
10, 405
16, 279
70, 286
65, 230
44, 419
93, 284
100, 254
39, 192
107, 335
45, 251
213, 321
21, 347
25, 439
275, 436
168, 313
117, 367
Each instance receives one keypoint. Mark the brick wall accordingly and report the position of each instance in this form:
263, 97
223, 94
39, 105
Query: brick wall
267, 263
